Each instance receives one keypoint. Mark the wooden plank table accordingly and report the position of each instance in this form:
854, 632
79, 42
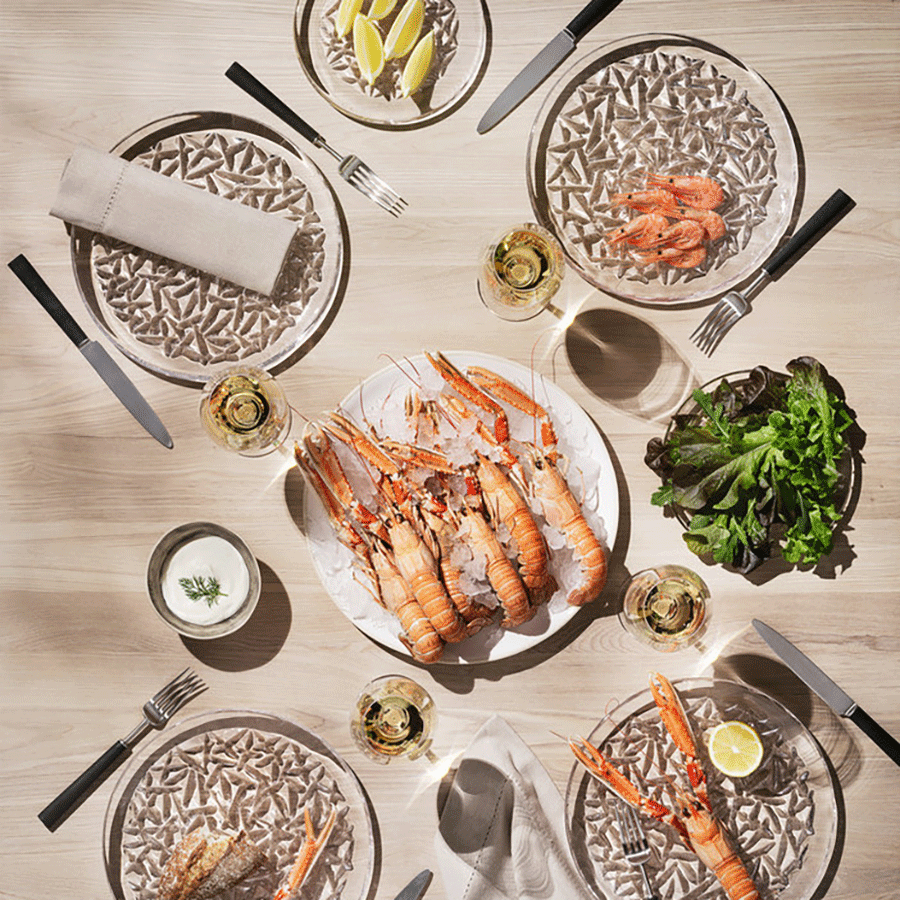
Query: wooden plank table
86, 493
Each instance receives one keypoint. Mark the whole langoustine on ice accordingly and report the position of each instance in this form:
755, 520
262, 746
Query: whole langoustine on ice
692, 818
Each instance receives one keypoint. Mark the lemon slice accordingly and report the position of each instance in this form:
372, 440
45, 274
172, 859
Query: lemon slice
405, 31
735, 749
346, 15
417, 65
368, 48
380, 8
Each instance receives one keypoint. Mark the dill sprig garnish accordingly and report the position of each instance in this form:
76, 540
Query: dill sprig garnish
200, 588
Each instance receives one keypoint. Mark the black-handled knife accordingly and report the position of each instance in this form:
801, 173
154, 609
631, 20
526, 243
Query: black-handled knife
92, 351
545, 62
815, 679
831, 210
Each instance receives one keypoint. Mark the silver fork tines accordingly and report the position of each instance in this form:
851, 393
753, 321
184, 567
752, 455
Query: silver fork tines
634, 843
165, 702
355, 172
720, 319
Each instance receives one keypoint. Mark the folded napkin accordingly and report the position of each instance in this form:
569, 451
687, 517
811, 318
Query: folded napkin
502, 833
105, 193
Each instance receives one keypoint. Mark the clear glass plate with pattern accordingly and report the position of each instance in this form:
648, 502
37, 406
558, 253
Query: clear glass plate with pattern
782, 819
232, 770
669, 105
460, 51
185, 324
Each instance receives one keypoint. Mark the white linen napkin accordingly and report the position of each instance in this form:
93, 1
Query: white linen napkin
502, 832
124, 200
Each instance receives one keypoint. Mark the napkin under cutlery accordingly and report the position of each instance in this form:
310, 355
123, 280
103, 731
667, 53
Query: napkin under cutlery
107, 194
502, 833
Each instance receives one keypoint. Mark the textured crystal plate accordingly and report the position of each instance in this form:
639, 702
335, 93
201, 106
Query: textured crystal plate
461, 45
189, 325
783, 818
233, 769
670, 105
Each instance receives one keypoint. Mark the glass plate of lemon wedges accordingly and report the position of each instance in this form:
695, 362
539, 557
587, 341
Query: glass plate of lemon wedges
392, 63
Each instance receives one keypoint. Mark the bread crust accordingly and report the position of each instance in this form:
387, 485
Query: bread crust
205, 863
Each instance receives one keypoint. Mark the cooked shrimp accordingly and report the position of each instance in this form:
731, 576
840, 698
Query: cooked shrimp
657, 201
694, 190
712, 222
642, 231
680, 259
682, 235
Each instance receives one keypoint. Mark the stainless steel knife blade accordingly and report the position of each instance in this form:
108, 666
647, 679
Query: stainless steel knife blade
815, 679
122, 386
416, 888
527, 80
806, 670
92, 351
545, 62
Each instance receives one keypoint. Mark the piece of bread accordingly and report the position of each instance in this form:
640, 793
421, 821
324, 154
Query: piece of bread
205, 863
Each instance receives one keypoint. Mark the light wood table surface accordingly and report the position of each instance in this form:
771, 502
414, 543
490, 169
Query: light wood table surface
86, 493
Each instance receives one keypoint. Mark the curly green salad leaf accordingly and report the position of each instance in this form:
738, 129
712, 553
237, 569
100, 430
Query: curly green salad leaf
756, 468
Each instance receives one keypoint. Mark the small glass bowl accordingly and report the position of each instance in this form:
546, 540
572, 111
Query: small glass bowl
165, 549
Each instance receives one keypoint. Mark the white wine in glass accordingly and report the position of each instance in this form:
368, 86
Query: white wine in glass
394, 717
245, 410
520, 272
666, 607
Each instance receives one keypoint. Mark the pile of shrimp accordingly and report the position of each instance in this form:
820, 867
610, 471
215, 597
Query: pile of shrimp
677, 220
448, 526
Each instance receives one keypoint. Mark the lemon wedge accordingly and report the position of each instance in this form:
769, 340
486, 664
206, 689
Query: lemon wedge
380, 8
368, 48
346, 15
405, 31
735, 748
417, 65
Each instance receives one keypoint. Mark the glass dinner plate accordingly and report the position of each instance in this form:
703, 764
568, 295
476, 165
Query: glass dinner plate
671, 105
233, 769
783, 818
185, 324
379, 401
461, 42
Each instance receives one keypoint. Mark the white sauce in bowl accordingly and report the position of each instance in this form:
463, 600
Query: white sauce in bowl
206, 557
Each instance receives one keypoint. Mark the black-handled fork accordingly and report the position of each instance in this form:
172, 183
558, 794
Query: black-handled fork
157, 711
736, 304
351, 168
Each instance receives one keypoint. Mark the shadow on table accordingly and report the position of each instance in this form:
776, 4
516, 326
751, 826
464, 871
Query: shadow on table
625, 362
259, 640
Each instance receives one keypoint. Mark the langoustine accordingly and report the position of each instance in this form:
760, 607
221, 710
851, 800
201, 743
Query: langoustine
693, 818
412, 532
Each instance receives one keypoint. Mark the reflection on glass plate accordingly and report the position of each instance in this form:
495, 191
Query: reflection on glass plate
669, 105
782, 818
379, 401
232, 770
460, 46
186, 324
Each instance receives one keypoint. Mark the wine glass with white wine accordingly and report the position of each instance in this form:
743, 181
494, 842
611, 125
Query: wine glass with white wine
666, 607
393, 718
520, 272
245, 410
